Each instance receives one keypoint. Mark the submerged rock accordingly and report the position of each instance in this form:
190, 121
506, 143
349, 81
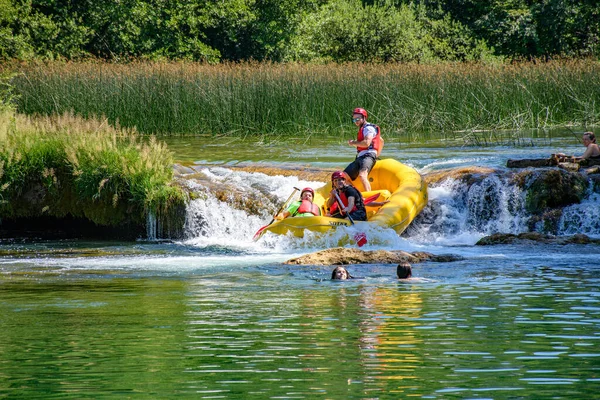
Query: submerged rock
534, 237
346, 256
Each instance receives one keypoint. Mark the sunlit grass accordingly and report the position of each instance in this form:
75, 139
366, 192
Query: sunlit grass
66, 165
290, 99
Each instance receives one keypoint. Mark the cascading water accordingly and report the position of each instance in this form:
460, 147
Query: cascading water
246, 202
460, 212
151, 226
581, 218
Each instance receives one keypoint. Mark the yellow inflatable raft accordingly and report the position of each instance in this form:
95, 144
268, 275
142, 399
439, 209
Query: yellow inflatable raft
391, 180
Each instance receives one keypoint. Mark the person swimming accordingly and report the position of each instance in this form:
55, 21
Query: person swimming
404, 270
340, 273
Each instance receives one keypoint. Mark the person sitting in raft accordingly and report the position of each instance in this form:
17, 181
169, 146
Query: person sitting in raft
303, 207
340, 273
352, 201
592, 150
334, 207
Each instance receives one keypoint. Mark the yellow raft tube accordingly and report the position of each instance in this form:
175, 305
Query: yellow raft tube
400, 184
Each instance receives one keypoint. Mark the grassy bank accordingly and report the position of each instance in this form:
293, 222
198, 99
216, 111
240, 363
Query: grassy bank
69, 167
292, 99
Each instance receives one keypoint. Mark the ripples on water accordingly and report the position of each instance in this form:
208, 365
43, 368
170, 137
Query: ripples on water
491, 326
218, 316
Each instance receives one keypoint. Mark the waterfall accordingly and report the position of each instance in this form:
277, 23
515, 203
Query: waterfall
230, 206
463, 213
151, 226
581, 218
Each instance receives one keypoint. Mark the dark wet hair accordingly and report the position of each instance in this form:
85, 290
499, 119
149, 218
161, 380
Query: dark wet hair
340, 267
404, 270
591, 136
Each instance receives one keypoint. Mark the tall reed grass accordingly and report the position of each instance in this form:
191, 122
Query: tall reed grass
66, 165
292, 99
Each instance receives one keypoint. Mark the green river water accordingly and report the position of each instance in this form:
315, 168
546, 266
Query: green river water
227, 319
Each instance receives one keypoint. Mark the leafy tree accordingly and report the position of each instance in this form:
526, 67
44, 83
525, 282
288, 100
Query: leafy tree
347, 30
527, 28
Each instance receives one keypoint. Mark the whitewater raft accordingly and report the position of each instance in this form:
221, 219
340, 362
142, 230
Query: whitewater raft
402, 185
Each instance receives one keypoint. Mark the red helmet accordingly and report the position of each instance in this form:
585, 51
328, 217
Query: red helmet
360, 111
307, 189
338, 175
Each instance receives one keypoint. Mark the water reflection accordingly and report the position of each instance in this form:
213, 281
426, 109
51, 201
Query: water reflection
492, 327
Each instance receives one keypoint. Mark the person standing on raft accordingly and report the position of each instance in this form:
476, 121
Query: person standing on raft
368, 146
352, 201
303, 207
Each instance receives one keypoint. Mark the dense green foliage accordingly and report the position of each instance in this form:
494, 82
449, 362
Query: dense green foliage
298, 30
64, 165
292, 99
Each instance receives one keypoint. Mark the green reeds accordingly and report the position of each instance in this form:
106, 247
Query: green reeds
65, 165
292, 99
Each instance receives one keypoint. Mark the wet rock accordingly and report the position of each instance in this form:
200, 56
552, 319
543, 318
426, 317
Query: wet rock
535, 163
546, 221
534, 237
346, 256
592, 170
468, 175
569, 166
551, 188
569, 162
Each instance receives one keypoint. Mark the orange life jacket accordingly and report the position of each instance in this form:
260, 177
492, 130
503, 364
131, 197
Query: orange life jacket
307, 206
376, 143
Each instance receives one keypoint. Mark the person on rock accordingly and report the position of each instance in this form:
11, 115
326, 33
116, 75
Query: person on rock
592, 150
352, 201
303, 207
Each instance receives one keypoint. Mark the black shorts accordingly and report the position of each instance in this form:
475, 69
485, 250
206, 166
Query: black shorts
358, 215
362, 163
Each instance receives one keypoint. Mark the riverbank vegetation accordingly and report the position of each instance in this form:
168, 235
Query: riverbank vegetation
299, 30
59, 167
311, 99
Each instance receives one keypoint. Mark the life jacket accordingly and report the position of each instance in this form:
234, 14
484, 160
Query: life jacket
358, 202
376, 143
307, 206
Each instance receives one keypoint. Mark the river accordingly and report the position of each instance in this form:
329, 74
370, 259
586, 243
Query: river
217, 315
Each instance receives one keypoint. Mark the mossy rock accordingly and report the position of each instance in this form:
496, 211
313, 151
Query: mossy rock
551, 188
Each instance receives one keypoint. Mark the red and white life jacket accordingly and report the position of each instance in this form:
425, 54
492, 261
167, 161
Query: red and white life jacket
376, 143
342, 193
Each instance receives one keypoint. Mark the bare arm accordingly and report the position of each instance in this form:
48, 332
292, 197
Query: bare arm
366, 142
591, 151
350, 205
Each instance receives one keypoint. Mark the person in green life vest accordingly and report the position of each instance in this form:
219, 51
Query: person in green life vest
303, 207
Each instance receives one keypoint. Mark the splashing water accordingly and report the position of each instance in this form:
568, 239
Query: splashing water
581, 218
457, 214
462, 214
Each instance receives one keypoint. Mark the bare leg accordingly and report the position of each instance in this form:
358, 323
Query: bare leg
364, 178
